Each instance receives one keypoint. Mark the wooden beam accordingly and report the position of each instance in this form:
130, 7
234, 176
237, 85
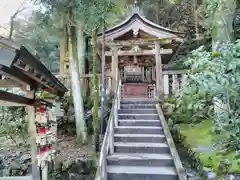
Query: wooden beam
143, 52
184, 71
13, 78
9, 99
8, 83
82, 76
143, 42
10, 104
128, 43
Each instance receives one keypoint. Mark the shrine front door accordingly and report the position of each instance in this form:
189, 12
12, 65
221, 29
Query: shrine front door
134, 87
135, 90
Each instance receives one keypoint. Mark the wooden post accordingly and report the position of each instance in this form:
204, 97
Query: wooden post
166, 84
32, 127
159, 81
45, 171
114, 67
174, 84
184, 80
153, 73
143, 76
32, 134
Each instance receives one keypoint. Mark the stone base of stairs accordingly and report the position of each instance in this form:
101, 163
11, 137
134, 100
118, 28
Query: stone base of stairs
140, 148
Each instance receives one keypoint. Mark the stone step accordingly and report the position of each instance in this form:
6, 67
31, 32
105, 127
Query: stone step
133, 106
129, 101
137, 111
138, 130
141, 173
136, 122
139, 116
133, 147
151, 138
140, 159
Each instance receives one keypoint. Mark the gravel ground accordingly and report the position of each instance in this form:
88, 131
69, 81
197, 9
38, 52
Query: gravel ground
16, 161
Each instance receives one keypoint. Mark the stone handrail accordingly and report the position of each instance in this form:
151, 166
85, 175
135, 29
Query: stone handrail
108, 141
17, 178
176, 159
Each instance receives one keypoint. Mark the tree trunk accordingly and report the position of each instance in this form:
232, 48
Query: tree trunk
81, 55
12, 22
76, 85
87, 85
11, 28
103, 87
96, 119
223, 23
63, 50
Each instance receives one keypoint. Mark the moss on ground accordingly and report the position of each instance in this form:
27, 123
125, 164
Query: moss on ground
201, 136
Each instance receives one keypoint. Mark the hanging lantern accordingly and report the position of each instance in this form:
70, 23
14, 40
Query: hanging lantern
43, 156
41, 140
51, 153
41, 117
52, 117
42, 109
41, 137
52, 135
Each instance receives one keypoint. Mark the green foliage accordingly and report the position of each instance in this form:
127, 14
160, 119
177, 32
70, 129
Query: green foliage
219, 160
13, 124
90, 13
47, 95
213, 82
237, 23
185, 149
95, 12
192, 106
41, 37
96, 118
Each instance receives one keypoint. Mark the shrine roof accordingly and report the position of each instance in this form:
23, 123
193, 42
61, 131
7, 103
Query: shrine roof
139, 22
18, 63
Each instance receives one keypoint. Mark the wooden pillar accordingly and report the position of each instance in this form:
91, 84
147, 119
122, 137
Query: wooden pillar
166, 84
175, 84
32, 134
159, 76
153, 73
184, 80
62, 55
32, 127
143, 76
109, 86
114, 67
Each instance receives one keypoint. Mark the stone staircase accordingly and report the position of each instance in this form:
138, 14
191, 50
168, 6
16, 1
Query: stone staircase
140, 148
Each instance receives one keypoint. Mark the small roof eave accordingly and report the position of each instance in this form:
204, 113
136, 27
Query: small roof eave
11, 53
29, 59
137, 17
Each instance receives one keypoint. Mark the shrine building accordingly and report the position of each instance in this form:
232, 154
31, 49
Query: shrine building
136, 51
